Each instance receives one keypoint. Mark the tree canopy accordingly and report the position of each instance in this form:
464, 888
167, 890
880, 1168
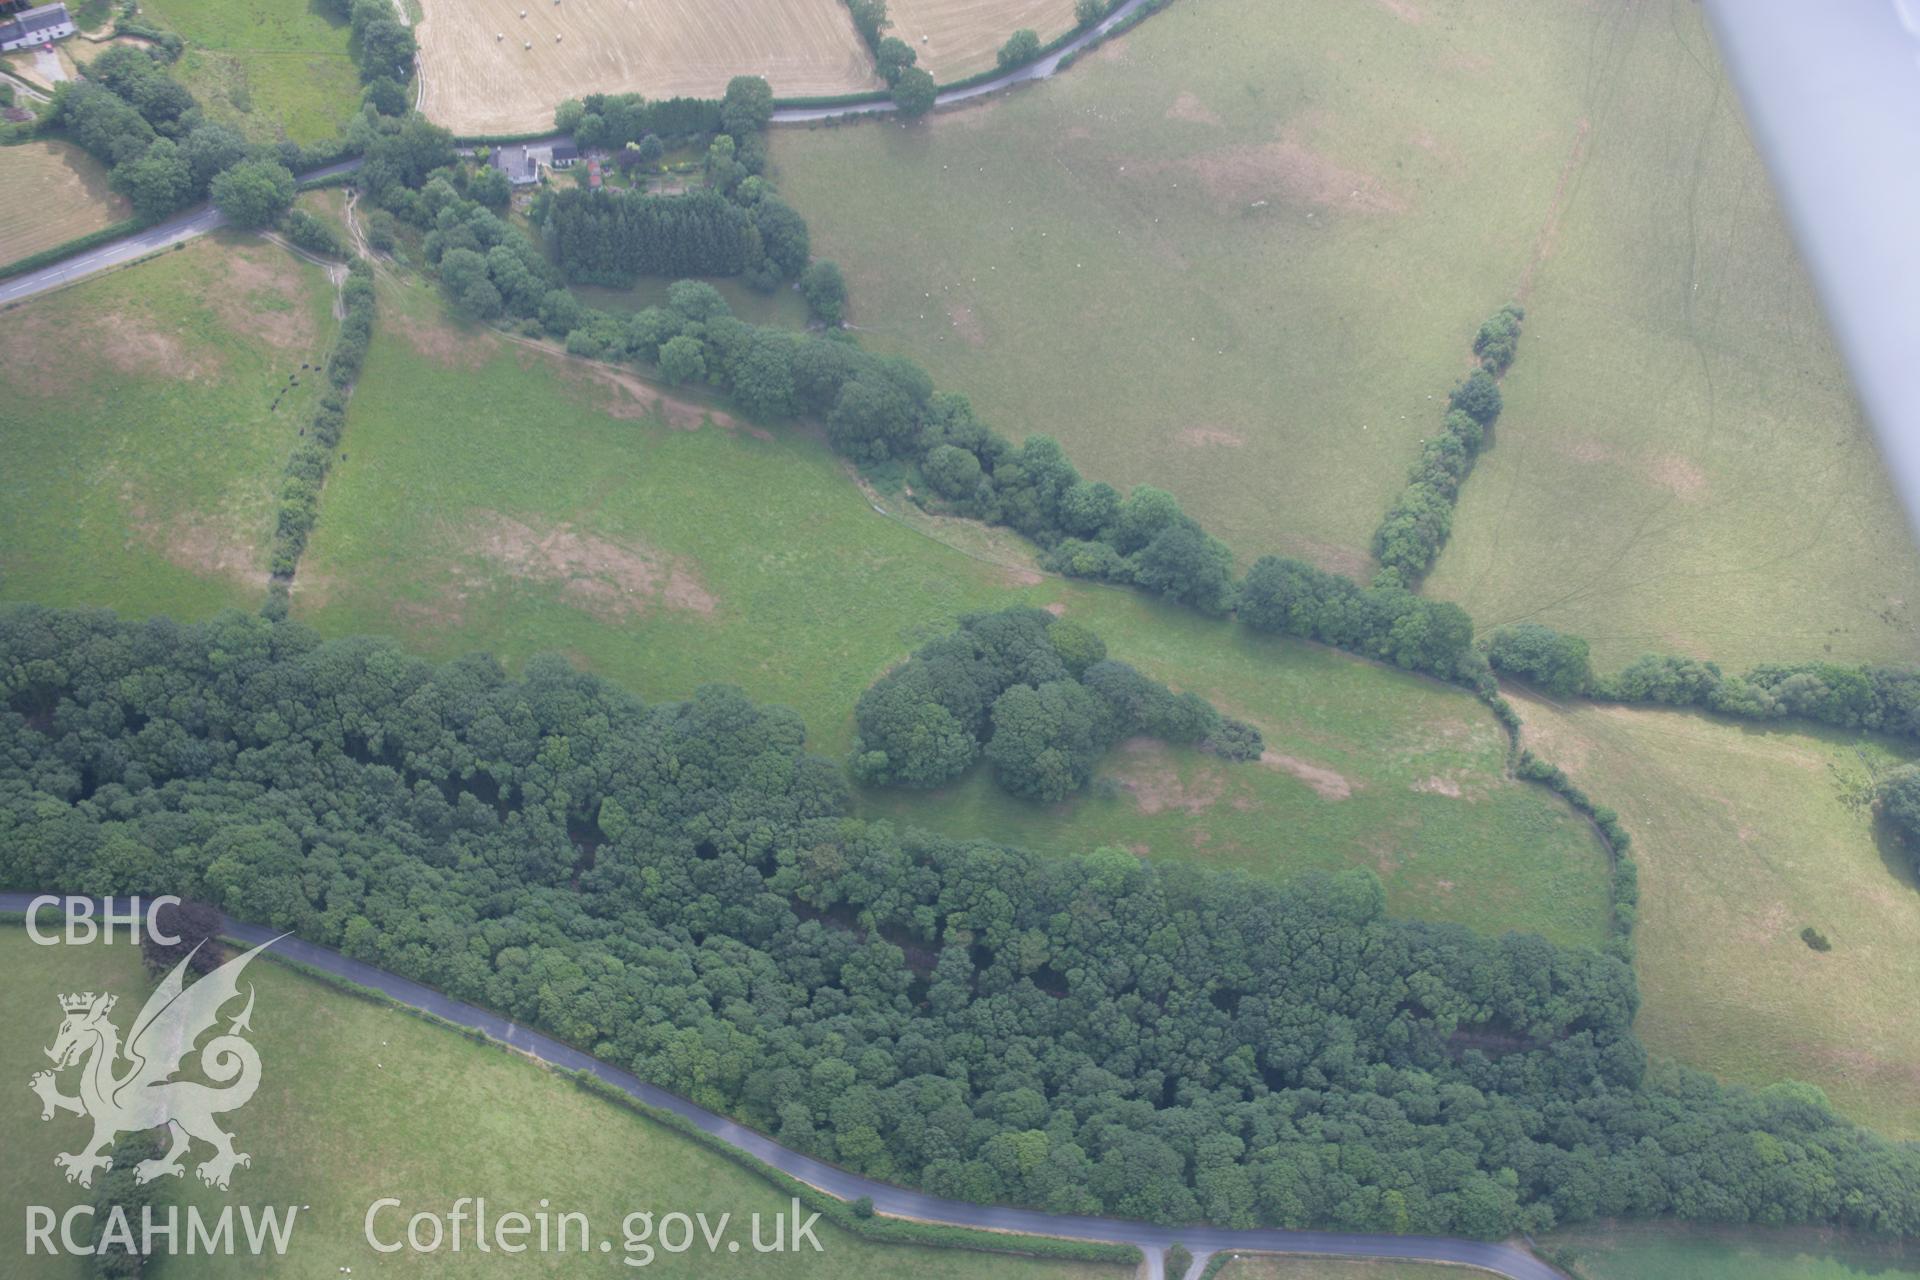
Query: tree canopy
1036, 695
680, 888
254, 193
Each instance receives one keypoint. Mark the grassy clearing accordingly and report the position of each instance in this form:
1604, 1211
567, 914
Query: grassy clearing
1744, 836
498, 498
167, 509
1681, 465
1238, 253
271, 70
1643, 1252
360, 1101
50, 193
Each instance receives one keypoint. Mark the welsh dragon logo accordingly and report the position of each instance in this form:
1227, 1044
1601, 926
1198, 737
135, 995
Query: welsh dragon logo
144, 1095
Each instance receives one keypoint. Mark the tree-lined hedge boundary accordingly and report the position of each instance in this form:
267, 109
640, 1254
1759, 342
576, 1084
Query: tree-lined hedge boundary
1418, 524
312, 459
1623, 885
79, 244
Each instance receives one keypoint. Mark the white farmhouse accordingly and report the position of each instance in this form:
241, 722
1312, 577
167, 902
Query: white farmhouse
44, 25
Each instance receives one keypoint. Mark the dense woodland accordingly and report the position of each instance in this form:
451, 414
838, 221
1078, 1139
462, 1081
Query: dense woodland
680, 888
613, 238
1035, 695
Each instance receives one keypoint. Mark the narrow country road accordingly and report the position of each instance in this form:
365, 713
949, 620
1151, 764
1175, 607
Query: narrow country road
161, 235
185, 226
1038, 69
1500, 1259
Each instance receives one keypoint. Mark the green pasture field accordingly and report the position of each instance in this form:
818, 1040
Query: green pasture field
1239, 253
498, 498
143, 451
273, 70
1632, 1251
1744, 836
1681, 466
360, 1101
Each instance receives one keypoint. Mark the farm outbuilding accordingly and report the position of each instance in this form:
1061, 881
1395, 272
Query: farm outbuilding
565, 154
520, 165
36, 26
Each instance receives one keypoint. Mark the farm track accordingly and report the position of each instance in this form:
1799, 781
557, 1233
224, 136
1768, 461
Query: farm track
1153, 1241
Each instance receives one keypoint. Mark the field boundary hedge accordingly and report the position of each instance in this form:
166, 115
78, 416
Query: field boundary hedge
501, 139
1416, 527
307, 467
79, 244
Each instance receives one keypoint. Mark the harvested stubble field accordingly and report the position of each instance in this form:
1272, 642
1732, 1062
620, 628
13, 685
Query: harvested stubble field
956, 38
481, 75
51, 192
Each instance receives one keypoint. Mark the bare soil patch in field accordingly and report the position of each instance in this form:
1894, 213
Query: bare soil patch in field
211, 543
1328, 783
488, 69
1189, 108
611, 580
207, 546
265, 295
39, 353
1149, 774
1680, 476
956, 38
1290, 170
1211, 437
51, 192
632, 398
442, 343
